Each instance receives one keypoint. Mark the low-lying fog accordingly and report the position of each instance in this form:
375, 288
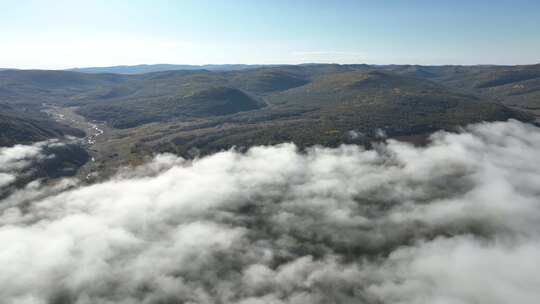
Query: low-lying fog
457, 221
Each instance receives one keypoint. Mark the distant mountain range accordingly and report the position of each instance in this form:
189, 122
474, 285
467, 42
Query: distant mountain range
215, 107
149, 68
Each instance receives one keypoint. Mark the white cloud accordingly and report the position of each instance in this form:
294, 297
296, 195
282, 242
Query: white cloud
456, 221
6, 179
18, 157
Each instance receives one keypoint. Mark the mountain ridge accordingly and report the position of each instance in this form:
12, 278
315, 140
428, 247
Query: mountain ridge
182, 111
150, 68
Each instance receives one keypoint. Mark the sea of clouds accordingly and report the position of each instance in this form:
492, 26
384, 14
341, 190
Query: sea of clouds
456, 221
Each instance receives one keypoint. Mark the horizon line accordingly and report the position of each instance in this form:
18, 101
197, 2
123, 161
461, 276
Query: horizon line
263, 65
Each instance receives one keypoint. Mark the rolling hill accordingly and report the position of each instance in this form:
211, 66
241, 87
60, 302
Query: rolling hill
209, 102
15, 129
201, 110
329, 108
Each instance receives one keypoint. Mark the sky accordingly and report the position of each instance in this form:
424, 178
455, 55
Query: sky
57, 34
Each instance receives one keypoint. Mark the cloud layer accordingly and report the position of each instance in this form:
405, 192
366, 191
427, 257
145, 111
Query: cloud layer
16, 162
30, 165
457, 221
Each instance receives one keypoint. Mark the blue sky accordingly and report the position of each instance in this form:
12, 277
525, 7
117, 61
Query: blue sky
60, 34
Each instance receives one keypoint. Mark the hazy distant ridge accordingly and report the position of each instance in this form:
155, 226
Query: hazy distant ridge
149, 68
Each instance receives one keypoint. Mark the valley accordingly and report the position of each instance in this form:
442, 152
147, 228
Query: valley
128, 118
68, 115
95, 135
